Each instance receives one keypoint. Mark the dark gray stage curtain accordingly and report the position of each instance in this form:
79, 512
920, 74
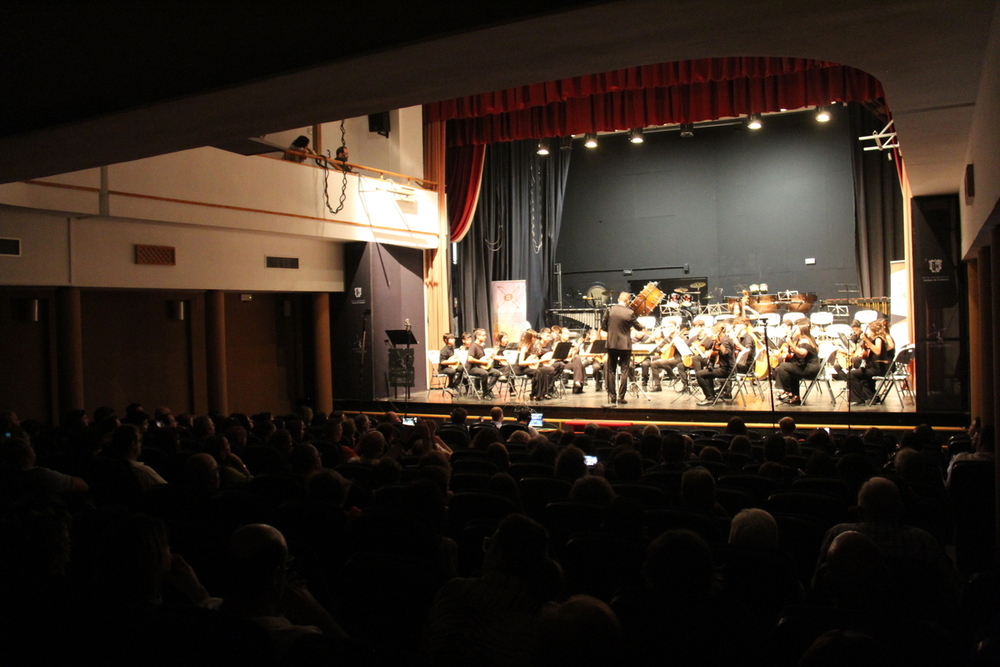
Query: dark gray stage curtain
514, 233
878, 206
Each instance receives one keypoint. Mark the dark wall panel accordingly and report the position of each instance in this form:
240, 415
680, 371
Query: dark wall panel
261, 352
135, 350
738, 207
25, 354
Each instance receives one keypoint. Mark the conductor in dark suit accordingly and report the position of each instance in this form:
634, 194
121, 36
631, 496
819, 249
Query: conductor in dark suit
618, 321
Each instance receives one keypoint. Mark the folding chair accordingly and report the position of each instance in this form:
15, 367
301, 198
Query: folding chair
434, 357
898, 374
730, 379
750, 377
519, 382
823, 376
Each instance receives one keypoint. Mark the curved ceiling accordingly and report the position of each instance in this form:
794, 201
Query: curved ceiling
110, 82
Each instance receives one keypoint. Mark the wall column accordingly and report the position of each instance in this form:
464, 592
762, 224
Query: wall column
436, 267
985, 333
69, 349
976, 375
215, 357
322, 352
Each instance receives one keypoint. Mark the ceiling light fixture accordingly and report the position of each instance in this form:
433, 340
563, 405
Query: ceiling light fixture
591, 140
822, 114
635, 135
543, 147
753, 121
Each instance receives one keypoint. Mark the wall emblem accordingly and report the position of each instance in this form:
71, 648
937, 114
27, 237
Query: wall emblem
357, 290
935, 265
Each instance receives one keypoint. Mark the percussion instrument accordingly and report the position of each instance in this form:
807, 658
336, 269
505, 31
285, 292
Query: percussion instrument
755, 289
765, 303
681, 290
698, 285
646, 301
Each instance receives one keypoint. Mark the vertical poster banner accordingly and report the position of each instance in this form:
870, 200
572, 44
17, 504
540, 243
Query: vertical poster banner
509, 300
899, 302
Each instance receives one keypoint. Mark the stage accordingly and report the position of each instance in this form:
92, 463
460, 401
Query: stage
671, 407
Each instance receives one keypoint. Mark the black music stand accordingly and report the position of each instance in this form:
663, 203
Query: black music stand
401, 363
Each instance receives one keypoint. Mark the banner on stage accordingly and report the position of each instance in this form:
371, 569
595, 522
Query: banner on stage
509, 300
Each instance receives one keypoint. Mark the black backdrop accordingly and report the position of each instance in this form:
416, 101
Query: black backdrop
740, 207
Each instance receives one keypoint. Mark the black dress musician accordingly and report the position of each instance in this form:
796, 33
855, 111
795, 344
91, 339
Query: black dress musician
648, 364
720, 363
582, 360
528, 363
852, 357
803, 364
618, 321
880, 349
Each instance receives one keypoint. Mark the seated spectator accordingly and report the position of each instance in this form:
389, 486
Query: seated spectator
21, 479
698, 493
592, 489
736, 426
126, 444
298, 150
580, 632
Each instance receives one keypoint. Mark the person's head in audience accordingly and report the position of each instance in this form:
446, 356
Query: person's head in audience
710, 453
928, 438
627, 465
236, 435
520, 548
736, 426
624, 439
772, 469
792, 447
524, 417
852, 444
263, 430
741, 444
679, 566
754, 529
350, 433
333, 430
585, 443
853, 573
592, 489
16, 454
164, 417
651, 446
502, 484
257, 569
910, 465
775, 448
698, 490
202, 427
422, 438
540, 450
305, 413
673, 448
439, 476
518, 438
459, 415
591, 429
388, 472
566, 438
579, 632
879, 502
371, 446
484, 438
361, 423
305, 460
820, 464
787, 426
297, 429
604, 433
570, 464
281, 440
201, 473
873, 436
820, 438
328, 486
126, 443
496, 414
688, 446
497, 454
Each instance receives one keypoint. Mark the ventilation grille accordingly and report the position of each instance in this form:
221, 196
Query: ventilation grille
158, 255
10, 247
282, 262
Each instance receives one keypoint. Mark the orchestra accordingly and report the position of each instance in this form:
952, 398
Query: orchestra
687, 342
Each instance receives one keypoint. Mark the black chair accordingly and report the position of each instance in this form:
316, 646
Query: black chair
469, 481
485, 509
824, 509
474, 465
667, 480
539, 491
530, 469
733, 500
830, 486
758, 486
717, 468
510, 427
661, 519
599, 564
649, 495
462, 454
360, 473
567, 518
455, 437
972, 487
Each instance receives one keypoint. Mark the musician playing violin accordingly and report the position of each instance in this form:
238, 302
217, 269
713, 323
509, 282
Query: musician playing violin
720, 362
803, 363
879, 349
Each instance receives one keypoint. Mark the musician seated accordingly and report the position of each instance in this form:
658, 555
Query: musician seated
802, 362
583, 359
481, 366
449, 364
718, 364
660, 344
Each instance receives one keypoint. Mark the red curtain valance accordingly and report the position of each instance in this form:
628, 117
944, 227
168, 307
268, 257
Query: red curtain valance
682, 92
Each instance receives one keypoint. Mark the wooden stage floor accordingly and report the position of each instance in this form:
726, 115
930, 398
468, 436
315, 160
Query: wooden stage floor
669, 407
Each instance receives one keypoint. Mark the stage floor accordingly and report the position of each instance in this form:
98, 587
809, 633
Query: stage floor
669, 406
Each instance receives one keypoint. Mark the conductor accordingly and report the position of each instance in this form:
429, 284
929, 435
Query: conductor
617, 321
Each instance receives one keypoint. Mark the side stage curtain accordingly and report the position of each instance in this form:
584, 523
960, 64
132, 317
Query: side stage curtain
878, 206
681, 92
514, 232
464, 174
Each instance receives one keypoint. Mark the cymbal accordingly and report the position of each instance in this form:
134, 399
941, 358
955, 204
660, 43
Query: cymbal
681, 289
698, 285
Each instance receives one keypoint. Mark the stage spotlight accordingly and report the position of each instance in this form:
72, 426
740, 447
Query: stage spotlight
753, 121
590, 141
543, 146
822, 114
635, 135
687, 130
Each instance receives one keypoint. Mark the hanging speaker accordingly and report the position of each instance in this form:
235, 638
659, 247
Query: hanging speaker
379, 123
